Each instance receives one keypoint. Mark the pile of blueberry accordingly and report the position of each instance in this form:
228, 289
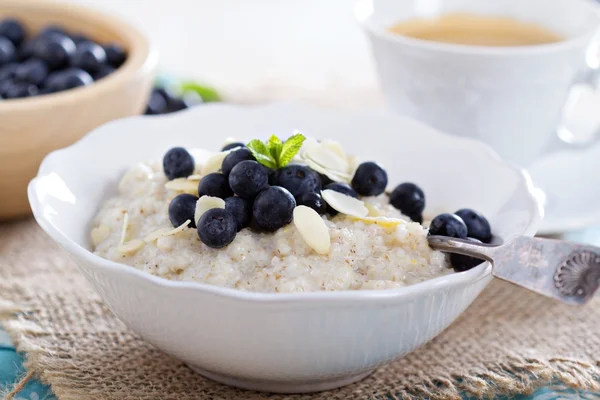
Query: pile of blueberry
164, 101
51, 61
463, 224
264, 199
258, 197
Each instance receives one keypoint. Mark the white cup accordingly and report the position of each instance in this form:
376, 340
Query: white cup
509, 97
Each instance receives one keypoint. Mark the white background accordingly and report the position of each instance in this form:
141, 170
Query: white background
311, 49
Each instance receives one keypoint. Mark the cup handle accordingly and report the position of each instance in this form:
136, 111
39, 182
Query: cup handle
580, 125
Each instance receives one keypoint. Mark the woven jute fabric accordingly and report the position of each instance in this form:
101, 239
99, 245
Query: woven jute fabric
508, 341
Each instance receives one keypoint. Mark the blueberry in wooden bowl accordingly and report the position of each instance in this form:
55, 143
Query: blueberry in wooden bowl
64, 70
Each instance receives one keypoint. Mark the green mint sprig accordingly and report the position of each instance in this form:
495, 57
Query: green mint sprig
274, 153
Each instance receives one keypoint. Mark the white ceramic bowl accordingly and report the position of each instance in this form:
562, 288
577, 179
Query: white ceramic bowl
281, 342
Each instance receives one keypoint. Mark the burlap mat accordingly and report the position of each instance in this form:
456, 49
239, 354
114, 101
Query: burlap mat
509, 341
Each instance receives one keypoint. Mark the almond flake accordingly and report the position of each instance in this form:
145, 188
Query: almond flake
99, 234
205, 203
214, 162
335, 147
131, 247
333, 175
195, 177
327, 159
345, 204
178, 229
157, 234
183, 185
312, 228
124, 228
386, 222
373, 211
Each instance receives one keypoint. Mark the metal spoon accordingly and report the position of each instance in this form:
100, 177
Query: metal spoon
565, 271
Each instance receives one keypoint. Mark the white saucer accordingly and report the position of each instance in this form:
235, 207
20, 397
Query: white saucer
571, 183
570, 179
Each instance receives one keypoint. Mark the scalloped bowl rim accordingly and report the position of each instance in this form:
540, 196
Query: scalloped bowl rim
480, 272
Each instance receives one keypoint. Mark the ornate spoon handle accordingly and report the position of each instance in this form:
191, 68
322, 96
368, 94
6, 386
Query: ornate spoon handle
565, 271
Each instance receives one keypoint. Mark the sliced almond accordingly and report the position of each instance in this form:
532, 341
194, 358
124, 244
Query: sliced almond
131, 247
157, 234
214, 162
195, 177
312, 228
373, 211
206, 203
344, 204
385, 222
178, 229
99, 234
124, 228
333, 175
334, 146
327, 159
183, 185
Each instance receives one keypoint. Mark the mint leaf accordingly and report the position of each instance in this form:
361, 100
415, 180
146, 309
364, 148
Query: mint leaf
275, 146
290, 148
207, 93
261, 153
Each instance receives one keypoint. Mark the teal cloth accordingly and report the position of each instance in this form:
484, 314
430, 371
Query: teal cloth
11, 369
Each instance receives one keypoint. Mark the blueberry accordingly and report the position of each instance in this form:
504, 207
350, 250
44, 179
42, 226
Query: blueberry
68, 79
13, 30
80, 38
232, 146
103, 72
51, 30
216, 185
464, 263
156, 104
271, 174
5, 85
240, 209
45, 90
298, 179
325, 180
182, 208
19, 90
8, 52
408, 198
369, 179
173, 101
273, 208
314, 201
235, 157
88, 56
55, 49
448, 225
8, 71
247, 179
32, 71
341, 188
416, 218
178, 163
478, 226
217, 228
25, 51
115, 55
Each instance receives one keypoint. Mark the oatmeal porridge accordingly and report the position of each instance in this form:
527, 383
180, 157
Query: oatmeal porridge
257, 219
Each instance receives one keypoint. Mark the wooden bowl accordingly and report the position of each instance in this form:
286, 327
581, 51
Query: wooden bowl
31, 128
